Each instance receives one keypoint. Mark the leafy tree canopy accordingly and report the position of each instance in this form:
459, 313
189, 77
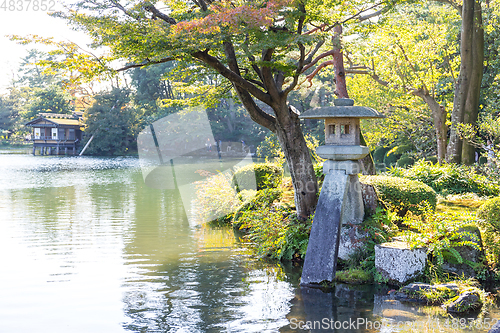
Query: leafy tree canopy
113, 122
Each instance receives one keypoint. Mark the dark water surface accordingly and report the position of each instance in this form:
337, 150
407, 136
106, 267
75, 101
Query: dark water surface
87, 247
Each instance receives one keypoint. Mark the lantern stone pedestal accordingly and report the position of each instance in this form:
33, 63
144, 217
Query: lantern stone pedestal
340, 201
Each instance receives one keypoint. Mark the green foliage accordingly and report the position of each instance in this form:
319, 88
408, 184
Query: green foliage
490, 213
217, 199
437, 295
276, 233
270, 148
401, 195
489, 221
448, 178
262, 175
379, 228
52, 99
9, 113
113, 122
441, 234
405, 161
353, 276
391, 158
379, 154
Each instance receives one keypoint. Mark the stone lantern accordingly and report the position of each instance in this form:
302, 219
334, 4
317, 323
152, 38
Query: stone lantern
340, 201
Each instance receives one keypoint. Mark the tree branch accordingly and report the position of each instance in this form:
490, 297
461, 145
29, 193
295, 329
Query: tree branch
232, 76
358, 14
157, 14
318, 58
145, 63
256, 113
268, 76
299, 70
313, 52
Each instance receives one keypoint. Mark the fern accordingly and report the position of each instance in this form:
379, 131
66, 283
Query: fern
441, 234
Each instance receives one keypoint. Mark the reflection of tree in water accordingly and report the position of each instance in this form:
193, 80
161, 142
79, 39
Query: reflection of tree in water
190, 278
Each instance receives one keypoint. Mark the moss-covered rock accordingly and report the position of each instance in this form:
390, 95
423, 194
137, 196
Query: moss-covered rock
258, 176
402, 195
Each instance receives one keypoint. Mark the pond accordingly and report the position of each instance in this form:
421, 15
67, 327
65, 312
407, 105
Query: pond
88, 247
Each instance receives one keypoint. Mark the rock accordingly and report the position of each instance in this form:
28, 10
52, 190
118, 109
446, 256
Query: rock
397, 263
370, 199
413, 291
351, 238
467, 253
495, 328
467, 301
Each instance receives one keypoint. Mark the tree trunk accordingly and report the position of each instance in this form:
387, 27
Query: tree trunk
471, 110
367, 163
439, 119
299, 160
466, 99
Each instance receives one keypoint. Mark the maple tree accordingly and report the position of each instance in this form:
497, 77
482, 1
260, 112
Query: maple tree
262, 48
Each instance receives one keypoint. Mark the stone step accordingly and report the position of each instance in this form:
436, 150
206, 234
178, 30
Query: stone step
397, 263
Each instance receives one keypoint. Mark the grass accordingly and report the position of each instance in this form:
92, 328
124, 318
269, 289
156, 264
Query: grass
467, 203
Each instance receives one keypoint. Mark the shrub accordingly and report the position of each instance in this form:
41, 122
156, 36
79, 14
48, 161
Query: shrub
258, 176
391, 158
405, 161
216, 198
489, 221
262, 199
483, 160
432, 159
490, 213
441, 234
379, 154
402, 195
448, 178
276, 233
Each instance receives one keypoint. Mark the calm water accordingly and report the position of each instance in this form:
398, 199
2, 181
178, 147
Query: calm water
87, 247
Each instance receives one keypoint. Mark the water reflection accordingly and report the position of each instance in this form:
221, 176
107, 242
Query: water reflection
87, 247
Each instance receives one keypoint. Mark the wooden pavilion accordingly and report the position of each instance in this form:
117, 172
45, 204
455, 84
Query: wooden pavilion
54, 133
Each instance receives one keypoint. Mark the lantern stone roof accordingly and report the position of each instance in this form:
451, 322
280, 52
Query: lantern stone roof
344, 108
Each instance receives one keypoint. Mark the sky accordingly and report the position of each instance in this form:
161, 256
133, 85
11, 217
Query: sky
26, 22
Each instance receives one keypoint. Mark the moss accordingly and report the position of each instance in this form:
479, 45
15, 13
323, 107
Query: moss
263, 175
438, 295
449, 178
353, 276
402, 195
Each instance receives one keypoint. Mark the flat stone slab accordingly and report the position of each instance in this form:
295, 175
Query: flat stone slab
397, 263
320, 262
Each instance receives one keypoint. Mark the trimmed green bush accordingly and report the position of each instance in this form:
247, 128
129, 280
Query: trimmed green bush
490, 212
448, 178
432, 159
391, 158
483, 160
405, 161
379, 154
402, 195
263, 175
